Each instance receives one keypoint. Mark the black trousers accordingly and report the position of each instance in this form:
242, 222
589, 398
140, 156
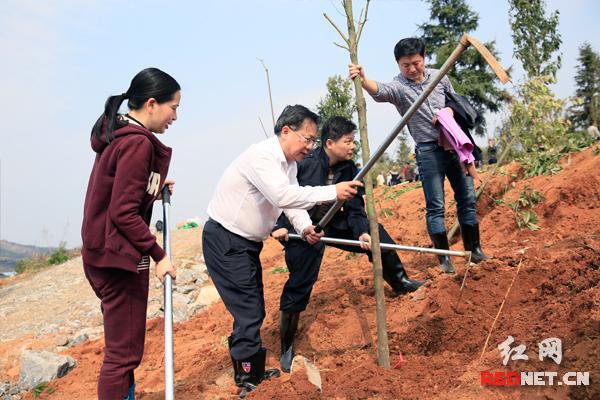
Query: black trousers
234, 265
304, 262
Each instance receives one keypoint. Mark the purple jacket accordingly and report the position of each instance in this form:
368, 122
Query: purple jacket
126, 178
455, 136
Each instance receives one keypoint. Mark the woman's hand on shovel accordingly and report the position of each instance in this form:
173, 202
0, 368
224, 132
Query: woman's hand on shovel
164, 267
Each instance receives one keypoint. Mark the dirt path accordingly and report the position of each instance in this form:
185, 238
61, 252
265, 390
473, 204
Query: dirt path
40, 310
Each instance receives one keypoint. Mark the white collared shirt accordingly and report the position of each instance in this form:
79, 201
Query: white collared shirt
257, 187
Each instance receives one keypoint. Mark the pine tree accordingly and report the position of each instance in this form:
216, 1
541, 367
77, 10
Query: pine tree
535, 36
339, 100
587, 80
471, 76
403, 149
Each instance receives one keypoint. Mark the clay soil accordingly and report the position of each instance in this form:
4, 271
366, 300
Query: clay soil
555, 294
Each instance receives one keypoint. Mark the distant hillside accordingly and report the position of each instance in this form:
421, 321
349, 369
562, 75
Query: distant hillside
10, 253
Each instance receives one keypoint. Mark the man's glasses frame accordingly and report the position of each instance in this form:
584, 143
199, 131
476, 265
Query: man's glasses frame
310, 142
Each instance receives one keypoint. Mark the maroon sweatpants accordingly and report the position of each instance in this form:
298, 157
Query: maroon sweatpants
124, 299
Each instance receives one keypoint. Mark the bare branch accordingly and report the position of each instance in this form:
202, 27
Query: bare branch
336, 9
361, 24
337, 29
341, 46
360, 16
263, 127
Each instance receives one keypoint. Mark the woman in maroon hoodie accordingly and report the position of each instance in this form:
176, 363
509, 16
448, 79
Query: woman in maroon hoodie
127, 177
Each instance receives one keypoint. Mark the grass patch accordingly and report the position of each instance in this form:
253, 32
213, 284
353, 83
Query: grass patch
546, 163
39, 261
39, 389
400, 191
522, 207
386, 212
279, 270
224, 342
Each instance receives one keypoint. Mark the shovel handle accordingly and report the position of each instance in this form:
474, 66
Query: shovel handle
168, 301
166, 195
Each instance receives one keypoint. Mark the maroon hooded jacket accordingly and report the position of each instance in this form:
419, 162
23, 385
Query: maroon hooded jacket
127, 176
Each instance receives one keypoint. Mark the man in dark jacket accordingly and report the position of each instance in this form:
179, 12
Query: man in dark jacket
328, 164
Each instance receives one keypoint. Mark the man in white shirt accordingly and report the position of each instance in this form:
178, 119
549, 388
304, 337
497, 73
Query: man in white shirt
252, 193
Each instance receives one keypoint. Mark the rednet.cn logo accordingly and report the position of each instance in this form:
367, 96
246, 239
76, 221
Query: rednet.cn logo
547, 348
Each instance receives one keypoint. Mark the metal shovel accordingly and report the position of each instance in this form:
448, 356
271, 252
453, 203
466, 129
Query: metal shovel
168, 303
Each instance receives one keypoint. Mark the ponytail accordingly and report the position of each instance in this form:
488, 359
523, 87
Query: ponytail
111, 108
148, 83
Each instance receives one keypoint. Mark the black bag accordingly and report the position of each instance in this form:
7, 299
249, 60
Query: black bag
464, 113
466, 116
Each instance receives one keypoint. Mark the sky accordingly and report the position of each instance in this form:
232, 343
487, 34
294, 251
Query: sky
61, 59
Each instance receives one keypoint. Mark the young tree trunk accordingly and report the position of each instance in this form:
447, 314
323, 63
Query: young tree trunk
383, 355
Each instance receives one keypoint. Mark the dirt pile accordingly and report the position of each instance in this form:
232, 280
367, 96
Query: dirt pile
555, 294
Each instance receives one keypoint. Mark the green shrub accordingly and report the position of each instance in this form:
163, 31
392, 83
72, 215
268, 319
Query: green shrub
400, 190
537, 117
386, 212
40, 261
59, 255
38, 389
32, 264
546, 163
524, 215
540, 129
279, 270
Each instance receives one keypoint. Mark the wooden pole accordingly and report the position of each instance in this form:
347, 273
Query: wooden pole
269, 87
383, 352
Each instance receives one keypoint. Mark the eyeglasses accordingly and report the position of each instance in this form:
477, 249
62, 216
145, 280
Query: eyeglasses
309, 142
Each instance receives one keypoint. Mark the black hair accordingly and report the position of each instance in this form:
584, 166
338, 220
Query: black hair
336, 127
294, 116
148, 83
409, 47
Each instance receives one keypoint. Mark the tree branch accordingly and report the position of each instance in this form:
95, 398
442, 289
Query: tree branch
336, 9
361, 24
337, 29
341, 46
360, 17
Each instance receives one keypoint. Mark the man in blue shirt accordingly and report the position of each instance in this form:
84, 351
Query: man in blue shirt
434, 162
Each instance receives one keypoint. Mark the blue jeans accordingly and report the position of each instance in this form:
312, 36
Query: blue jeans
435, 164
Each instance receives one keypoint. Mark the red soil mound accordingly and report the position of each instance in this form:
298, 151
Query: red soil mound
555, 294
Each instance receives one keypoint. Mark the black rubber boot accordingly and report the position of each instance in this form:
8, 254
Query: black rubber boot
440, 241
395, 274
470, 235
236, 373
252, 371
288, 324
